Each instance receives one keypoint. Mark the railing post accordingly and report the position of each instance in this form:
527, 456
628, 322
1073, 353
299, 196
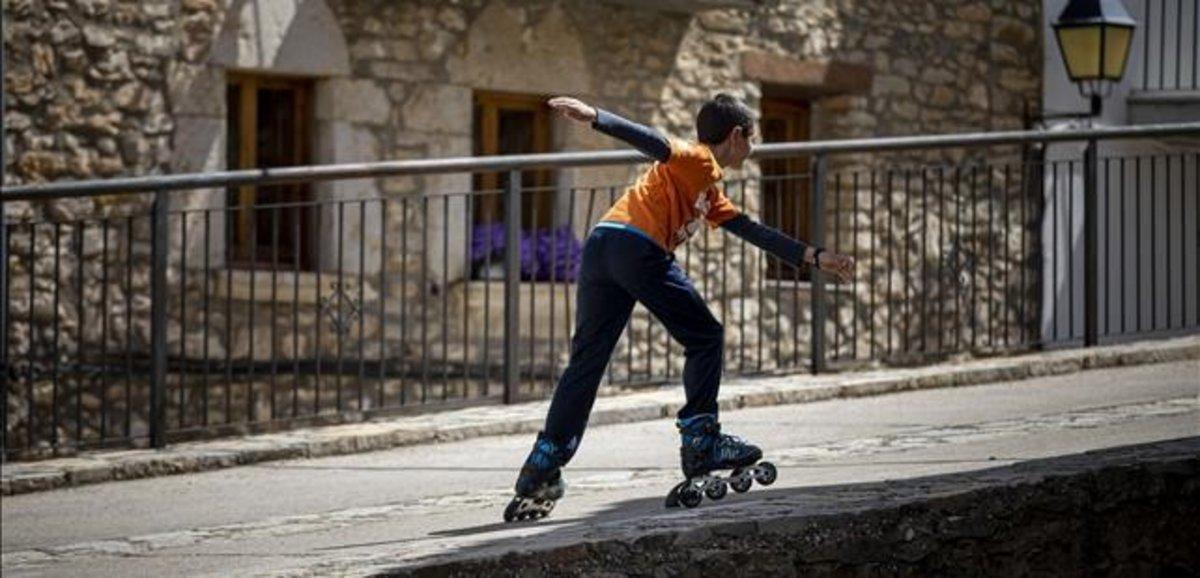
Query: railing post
818, 282
4, 370
1091, 289
512, 284
158, 322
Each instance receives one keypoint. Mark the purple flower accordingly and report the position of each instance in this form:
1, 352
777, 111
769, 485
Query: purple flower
487, 240
545, 253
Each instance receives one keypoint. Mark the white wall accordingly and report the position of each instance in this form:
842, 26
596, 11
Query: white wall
1165, 210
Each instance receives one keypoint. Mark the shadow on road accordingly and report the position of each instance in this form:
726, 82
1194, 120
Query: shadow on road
496, 527
512, 469
643, 516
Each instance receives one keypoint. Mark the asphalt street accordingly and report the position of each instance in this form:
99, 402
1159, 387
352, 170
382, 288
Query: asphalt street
292, 517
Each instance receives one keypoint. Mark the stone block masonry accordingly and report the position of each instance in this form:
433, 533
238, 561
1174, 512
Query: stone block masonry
1128, 511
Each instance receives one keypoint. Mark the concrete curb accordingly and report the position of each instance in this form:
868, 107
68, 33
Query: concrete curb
97, 467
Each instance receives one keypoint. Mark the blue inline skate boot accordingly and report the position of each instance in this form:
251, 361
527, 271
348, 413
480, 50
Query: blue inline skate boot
540, 484
703, 450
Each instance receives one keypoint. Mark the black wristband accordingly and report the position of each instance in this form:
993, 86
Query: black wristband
817, 257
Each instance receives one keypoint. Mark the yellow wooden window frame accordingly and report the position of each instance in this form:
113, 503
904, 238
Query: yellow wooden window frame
246, 195
488, 106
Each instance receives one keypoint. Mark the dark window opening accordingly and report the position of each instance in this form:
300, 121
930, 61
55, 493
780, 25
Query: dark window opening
786, 198
506, 124
269, 123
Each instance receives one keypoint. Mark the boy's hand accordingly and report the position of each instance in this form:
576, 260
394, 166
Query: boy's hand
572, 108
842, 266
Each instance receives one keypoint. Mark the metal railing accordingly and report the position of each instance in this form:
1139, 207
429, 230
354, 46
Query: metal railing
1143, 279
134, 329
1170, 45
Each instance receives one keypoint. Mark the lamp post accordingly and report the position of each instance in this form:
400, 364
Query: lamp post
1094, 37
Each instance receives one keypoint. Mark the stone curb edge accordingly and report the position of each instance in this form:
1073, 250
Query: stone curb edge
136, 464
1165, 459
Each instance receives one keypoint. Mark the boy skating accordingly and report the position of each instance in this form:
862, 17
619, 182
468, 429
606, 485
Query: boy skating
628, 259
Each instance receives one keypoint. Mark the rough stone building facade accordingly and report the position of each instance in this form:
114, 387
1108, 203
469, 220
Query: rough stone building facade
105, 88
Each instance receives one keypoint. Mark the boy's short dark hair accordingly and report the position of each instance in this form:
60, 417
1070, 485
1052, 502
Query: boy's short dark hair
719, 116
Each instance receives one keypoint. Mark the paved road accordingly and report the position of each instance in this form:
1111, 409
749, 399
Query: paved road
285, 517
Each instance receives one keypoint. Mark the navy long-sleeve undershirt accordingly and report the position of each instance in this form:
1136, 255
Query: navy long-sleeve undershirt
643, 138
767, 238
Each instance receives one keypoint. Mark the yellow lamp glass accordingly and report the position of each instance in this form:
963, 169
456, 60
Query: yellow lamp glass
1081, 51
1116, 50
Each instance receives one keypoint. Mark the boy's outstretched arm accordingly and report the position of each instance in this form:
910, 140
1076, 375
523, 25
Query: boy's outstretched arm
645, 139
790, 250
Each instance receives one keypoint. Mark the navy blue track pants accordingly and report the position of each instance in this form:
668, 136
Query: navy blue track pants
621, 268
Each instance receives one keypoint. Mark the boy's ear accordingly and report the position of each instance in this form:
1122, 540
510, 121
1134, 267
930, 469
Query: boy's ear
729, 137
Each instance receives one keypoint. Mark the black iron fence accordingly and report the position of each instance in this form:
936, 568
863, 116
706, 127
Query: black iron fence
198, 318
1145, 247
1170, 47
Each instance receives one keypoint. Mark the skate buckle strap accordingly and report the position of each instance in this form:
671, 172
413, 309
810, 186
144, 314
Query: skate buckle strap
699, 424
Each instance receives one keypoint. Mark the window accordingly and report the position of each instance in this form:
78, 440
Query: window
786, 181
269, 124
512, 124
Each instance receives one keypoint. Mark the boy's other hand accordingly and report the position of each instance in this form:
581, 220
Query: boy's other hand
842, 266
572, 108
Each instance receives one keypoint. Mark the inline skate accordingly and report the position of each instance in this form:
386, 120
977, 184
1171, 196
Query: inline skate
704, 450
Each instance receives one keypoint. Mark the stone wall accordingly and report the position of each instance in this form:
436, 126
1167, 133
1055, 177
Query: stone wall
87, 96
104, 88
86, 87
1114, 512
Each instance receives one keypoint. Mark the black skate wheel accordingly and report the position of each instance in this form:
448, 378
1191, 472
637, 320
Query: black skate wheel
510, 512
741, 483
690, 496
673, 496
766, 473
716, 490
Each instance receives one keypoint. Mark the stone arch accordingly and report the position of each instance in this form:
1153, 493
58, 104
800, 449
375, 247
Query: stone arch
510, 46
282, 36
297, 37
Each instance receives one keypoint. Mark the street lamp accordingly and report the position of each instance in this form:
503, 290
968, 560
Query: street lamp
1094, 37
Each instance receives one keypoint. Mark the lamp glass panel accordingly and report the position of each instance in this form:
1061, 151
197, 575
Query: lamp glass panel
1116, 48
1080, 47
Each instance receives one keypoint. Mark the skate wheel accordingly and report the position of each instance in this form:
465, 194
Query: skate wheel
690, 496
716, 490
510, 512
673, 496
741, 482
766, 473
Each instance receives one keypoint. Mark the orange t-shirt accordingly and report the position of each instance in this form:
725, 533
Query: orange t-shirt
669, 201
